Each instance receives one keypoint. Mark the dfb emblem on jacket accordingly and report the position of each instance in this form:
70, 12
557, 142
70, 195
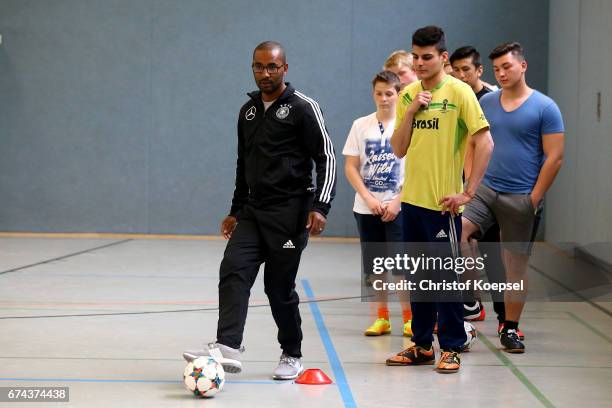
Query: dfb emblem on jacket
283, 111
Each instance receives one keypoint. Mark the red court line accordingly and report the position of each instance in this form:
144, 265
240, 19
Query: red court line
255, 302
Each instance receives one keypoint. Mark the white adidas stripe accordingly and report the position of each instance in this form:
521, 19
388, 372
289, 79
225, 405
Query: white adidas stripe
330, 168
328, 148
453, 236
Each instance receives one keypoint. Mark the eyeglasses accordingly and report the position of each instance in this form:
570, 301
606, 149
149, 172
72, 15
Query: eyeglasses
271, 68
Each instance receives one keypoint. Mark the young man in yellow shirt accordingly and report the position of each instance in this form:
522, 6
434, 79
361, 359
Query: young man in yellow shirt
435, 116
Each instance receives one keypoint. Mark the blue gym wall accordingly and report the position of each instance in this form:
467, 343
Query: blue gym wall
120, 115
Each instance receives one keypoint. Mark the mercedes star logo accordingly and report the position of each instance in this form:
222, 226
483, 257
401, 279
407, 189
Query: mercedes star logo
250, 114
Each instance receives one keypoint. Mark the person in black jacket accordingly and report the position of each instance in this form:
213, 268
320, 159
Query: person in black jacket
275, 207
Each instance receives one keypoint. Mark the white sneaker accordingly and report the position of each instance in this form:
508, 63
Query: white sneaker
289, 368
230, 357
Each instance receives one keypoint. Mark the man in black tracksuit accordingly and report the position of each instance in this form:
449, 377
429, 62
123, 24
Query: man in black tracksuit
274, 209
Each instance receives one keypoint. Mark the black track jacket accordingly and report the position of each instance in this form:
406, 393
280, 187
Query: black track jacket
276, 150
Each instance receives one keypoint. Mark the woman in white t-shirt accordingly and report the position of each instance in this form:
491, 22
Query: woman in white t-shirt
377, 176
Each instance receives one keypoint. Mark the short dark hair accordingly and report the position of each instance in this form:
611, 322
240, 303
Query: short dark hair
389, 78
513, 47
466, 52
430, 35
269, 46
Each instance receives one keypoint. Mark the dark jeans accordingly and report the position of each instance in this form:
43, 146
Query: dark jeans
494, 262
373, 230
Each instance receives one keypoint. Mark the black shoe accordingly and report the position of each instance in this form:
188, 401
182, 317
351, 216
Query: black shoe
500, 329
511, 342
471, 311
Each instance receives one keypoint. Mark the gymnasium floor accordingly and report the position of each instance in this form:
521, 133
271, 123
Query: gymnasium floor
109, 318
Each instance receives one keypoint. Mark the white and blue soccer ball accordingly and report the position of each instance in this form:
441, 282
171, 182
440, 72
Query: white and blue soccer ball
470, 332
204, 377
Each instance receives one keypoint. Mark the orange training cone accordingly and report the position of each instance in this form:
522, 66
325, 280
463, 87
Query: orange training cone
313, 376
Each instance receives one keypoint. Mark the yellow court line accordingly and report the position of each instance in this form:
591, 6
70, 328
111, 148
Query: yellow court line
91, 235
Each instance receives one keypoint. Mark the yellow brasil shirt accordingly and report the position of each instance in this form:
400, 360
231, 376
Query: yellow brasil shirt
436, 155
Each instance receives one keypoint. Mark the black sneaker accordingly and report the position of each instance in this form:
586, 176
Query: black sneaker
511, 342
471, 311
500, 329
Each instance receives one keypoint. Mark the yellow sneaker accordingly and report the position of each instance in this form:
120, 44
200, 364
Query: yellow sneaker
379, 327
408, 329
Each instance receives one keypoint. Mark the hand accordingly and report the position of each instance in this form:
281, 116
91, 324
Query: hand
316, 223
392, 208
453, 202
421, 99
535, 200
375, 206
227, 226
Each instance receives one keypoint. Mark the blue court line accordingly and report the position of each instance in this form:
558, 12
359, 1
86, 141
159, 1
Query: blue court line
345, 389
106, 380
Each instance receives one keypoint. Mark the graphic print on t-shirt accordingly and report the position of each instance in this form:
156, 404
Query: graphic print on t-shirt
381, 171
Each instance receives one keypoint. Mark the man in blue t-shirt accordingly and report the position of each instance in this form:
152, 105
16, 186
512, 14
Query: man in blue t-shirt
527, 129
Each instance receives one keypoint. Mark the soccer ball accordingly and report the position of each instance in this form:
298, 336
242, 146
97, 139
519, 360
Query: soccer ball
204, 377
470, 332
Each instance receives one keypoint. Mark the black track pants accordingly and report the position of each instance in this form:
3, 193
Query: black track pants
274, 235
